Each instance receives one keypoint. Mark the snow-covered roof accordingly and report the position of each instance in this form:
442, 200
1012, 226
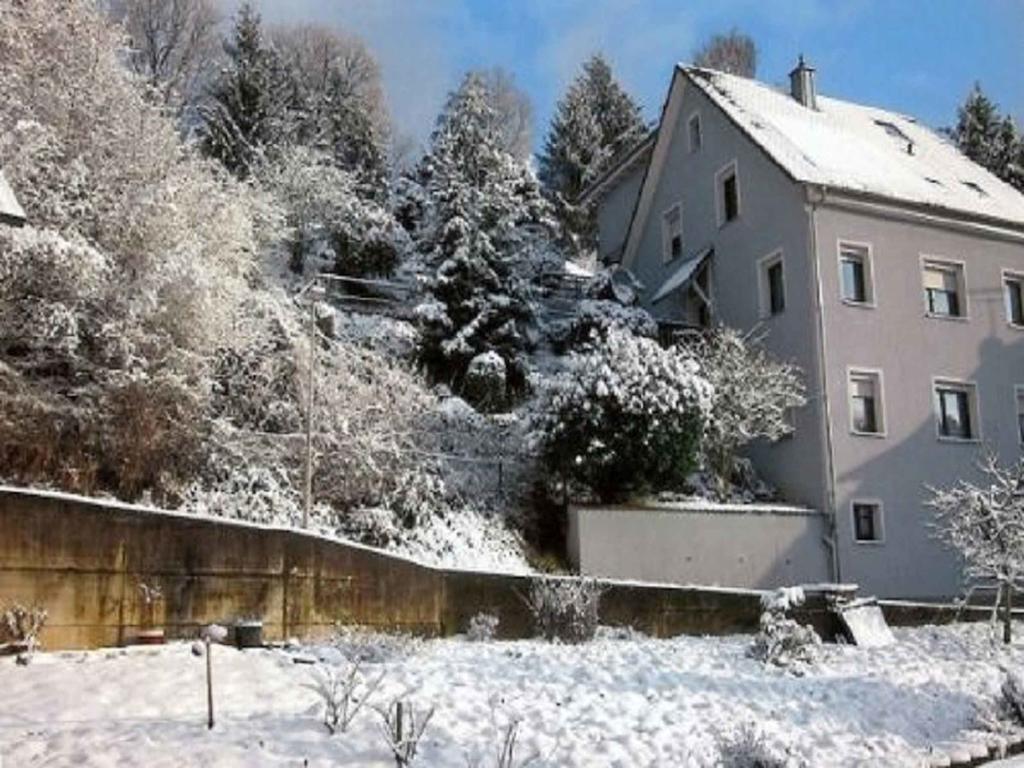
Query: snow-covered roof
9, 207
860, 149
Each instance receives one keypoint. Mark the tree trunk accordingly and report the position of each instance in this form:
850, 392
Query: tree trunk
1007, 613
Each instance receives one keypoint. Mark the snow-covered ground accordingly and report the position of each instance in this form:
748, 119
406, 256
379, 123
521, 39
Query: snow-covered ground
614, 702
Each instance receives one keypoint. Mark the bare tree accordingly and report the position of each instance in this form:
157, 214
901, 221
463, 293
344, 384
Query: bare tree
985, 525
735, 53
513, 111
173, 43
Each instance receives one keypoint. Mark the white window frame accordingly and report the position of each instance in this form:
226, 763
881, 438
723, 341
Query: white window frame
764, 298
1009, 275
879, 521
666, 235
1018, 394
973, 406
960, 268
732, 167
881, 417
867, 254
694, 116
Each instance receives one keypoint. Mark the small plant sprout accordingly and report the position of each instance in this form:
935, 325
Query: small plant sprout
403, 729
344, 692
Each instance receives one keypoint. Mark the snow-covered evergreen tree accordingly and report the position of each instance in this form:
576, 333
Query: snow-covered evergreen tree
482, 227
595, 121
988, 138
246, 113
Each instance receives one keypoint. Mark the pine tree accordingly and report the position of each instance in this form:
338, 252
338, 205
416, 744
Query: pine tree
482, 227
595, 122
989, 139
246, 114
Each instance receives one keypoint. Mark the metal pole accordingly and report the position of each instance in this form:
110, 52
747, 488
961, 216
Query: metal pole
209, 684
307, 494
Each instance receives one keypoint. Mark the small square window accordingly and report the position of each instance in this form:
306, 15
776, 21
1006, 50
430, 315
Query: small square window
727, 189
867, 521
695, 134
855, 284
772, 285
956, 410
944, 289
672, 233
866, 417
1013, 287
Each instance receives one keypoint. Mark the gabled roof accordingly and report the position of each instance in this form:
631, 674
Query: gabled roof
10, 210
860, 149
626, 161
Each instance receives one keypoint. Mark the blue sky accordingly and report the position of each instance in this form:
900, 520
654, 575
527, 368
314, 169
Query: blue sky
919, 57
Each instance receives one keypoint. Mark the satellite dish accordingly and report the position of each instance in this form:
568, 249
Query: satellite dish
625, 286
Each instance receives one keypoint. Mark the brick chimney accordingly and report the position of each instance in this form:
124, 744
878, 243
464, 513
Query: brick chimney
801, 84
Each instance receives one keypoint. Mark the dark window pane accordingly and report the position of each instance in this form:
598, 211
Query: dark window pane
853, 280
864, 419
695, 137
864, 522
954, 413
731, 198
776, 292
1020, 426
677, 246
1014, 302
943, 302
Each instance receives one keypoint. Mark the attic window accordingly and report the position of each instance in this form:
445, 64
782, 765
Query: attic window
975, 188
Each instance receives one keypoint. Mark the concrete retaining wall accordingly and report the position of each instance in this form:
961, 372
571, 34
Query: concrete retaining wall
85, 562
751, 546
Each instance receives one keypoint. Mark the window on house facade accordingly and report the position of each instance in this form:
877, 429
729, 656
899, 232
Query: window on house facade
956, 410
866, 416
1013, 288
728, 191
672, 233
695, 134
855, 278
772, 285
867, 521
1020, 414
944, 292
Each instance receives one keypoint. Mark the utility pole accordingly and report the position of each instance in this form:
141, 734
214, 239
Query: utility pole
307, 491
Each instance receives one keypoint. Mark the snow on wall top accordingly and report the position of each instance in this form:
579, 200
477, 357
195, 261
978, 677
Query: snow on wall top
859, 148
9, 206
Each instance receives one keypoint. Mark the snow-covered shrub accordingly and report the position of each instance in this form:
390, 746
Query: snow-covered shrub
482, 628
565, 609
754, 395
627, 417
403, 727
781, 640
748, 749
595, 316
486, 380
343, 693
20, 628
365, 645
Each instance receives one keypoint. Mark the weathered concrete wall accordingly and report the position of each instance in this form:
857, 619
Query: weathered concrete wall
749, 546
84, 562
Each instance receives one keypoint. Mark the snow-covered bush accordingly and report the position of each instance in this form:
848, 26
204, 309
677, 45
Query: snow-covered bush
403, 727
486, 380
1011, 698
343, 691
482, 628
20, 628
754, 396
596, 317
365, 645
748, 748
565, 609
627, 417
984, 524
781, 640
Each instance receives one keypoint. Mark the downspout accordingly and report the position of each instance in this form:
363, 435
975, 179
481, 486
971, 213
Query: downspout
816, 196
